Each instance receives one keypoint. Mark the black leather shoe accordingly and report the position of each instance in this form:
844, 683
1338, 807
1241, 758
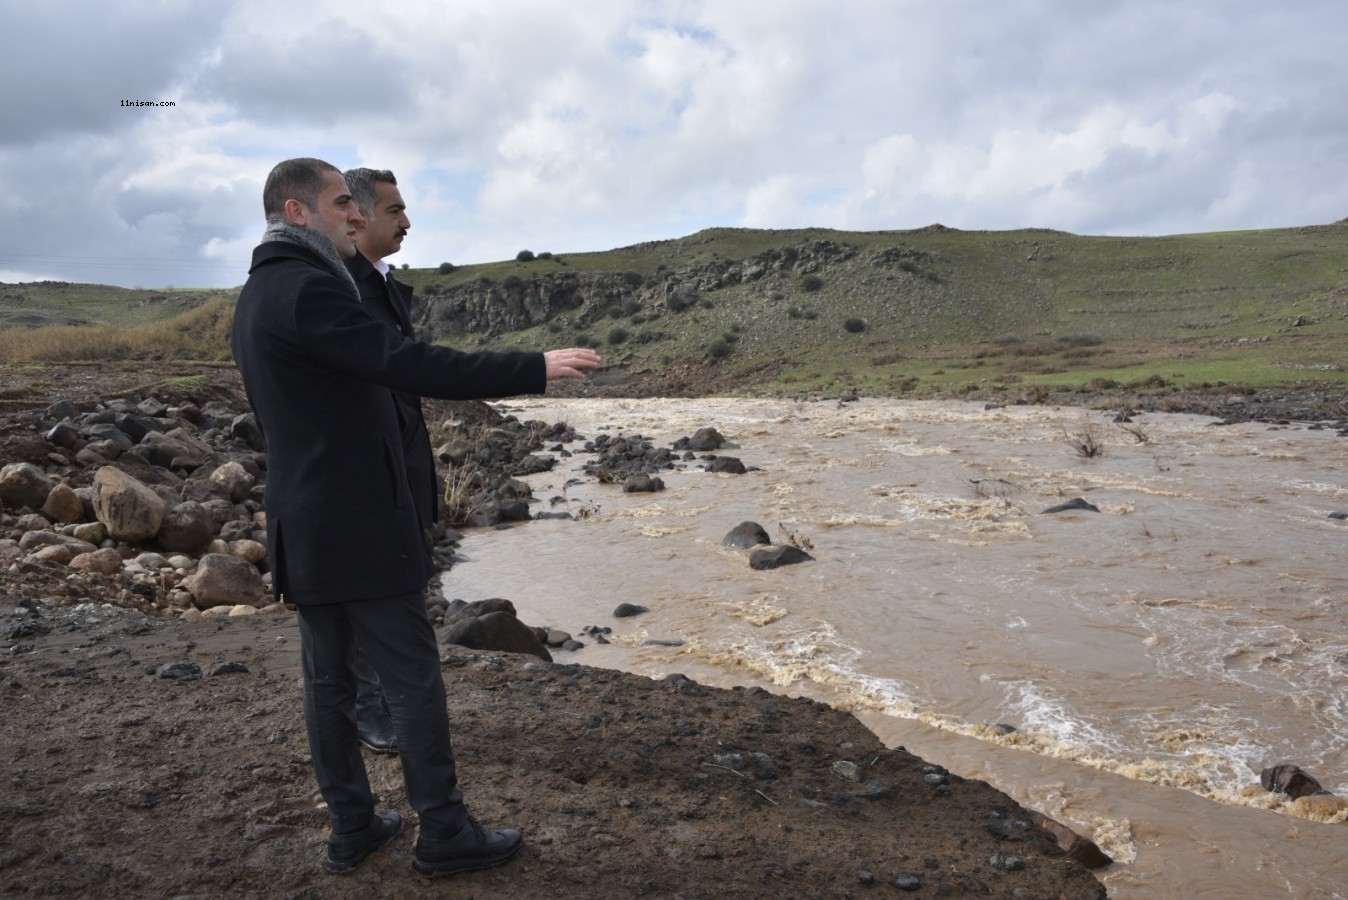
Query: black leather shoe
376, 732
474, 847
346, 851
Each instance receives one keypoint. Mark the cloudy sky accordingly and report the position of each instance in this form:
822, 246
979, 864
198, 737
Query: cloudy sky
515, 124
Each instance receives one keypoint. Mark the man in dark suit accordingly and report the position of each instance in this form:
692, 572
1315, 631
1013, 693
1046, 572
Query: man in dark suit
344, 540
375, 193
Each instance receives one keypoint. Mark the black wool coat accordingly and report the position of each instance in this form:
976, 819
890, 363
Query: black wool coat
320, 372
390, 301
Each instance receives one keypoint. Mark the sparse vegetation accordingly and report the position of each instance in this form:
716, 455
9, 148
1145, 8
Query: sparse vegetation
1086, 442
811, 283
1227, 314
854, 325
719, 349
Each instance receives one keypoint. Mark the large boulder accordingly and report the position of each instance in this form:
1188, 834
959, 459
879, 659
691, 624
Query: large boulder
36, 539
173, 450
127, 508
776, 557
1288, 779
105, 562
223, 580
496, 631
245, 428
705, 439
186, 528
746, 535
24, 484
232, 481
63, 505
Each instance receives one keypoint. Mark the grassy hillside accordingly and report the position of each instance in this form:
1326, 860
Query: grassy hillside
923, 312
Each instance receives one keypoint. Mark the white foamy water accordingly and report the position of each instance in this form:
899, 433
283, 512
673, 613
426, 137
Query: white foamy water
1152, 657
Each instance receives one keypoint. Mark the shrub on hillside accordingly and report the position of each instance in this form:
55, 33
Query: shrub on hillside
811, 283
524, 256
855, 325
446, 268
545, 255
681, 299
617, 336
1080, 340
512, 282
719, 349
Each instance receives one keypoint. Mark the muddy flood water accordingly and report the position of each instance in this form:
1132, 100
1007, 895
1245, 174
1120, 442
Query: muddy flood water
1152, 657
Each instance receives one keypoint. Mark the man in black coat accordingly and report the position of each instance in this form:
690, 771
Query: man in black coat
344, 539
375, 193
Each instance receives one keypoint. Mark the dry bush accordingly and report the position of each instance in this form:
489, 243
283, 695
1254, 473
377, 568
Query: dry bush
1139, 434
994, 488
1086, 442
462, 483
796, 539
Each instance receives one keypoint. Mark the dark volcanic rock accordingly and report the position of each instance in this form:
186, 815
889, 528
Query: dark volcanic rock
727, 464
496, 631
1290, 780
776, 557
746, 535
1074, 503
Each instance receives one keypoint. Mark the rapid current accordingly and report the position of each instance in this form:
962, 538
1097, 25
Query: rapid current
1152, 657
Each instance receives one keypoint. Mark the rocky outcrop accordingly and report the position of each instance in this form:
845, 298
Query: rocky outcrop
487, 306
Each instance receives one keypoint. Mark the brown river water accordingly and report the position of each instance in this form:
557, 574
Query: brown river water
1153, 657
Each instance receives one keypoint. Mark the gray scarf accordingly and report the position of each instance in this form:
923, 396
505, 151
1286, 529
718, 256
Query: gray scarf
281, 230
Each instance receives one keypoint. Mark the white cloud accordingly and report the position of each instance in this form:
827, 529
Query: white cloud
518, 123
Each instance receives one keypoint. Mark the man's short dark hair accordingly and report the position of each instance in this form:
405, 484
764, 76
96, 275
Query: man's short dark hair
295, 179
361, 182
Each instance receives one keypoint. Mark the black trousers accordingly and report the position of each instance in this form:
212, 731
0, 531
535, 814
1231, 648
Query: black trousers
400, 643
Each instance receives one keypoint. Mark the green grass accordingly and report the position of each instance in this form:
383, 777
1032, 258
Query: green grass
944, 310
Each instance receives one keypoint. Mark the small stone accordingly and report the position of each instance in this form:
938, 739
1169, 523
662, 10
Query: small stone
626, 610
1006, 862
846, 770
181, 669
227, 668
908, 882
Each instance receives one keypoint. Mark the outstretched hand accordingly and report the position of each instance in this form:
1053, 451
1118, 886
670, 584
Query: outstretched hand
570, 363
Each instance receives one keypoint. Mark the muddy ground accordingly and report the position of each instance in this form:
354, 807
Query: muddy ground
123, 781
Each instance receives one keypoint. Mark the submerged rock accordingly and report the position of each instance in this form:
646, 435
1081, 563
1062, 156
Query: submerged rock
776, 557
1075, 503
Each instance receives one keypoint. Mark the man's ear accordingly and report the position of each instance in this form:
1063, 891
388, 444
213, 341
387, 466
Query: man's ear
297, 213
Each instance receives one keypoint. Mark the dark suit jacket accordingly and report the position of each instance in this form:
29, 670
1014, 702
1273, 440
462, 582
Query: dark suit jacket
318, 368
390, 301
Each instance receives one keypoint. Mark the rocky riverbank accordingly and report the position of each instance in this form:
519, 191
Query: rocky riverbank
154, 743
